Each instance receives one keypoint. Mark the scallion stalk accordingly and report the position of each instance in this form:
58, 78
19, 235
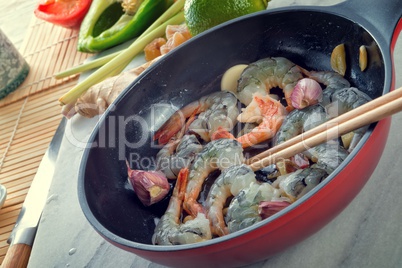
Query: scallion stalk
87, 66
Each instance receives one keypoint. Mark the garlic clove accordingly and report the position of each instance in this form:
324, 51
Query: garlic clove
306, 92
338, 59
268, 208
230, 78
150, 186
362, 58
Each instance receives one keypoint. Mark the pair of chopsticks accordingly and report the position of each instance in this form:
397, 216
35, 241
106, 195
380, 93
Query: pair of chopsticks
373, 111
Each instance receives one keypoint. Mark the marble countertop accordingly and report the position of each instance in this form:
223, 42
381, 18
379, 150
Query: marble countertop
365, 234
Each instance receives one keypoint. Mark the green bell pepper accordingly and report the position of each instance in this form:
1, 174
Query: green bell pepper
111, 22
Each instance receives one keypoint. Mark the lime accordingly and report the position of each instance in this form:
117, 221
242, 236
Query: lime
200, 15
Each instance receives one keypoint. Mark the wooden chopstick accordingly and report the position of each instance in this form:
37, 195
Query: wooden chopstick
366, 114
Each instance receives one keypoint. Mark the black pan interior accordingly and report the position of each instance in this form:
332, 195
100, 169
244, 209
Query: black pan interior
305, 37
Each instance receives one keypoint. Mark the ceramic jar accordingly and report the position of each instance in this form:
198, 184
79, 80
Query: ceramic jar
13, 67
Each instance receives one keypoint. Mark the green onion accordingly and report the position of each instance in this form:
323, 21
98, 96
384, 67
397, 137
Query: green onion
170, 12
119, 62
87, 66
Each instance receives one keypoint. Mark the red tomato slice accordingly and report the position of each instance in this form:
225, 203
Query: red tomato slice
66, 13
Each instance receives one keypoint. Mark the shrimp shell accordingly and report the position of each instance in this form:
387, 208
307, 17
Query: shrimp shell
243, 209
229, 183
298, 121
170, 231
267, 73
268, 113
217, 154
220, 111
177, 155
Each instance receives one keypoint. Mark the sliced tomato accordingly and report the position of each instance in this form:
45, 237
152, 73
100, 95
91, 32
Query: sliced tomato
66, 13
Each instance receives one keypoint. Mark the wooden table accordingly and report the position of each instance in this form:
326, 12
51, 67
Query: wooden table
365, 234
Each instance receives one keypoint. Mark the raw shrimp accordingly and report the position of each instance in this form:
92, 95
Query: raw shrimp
243, 209
300, 182
268, 73
173, 157
170, 231
231, 181
220, 115
328, 156
338, 101
220, 111
298, 121
333, 82
179, 152
345, 100
217, 154
268, 113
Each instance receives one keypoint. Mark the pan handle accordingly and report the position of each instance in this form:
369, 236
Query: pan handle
385, 16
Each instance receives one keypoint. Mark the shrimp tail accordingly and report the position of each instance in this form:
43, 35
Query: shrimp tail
222, 133
218, 224
182, 183
192, 207
256, 136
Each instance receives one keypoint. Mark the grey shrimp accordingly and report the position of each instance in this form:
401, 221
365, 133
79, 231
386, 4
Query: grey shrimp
264, 74
170, 231
328, 156
345, 100
300, 182
217, 154
216, 110
231, 181
333, 82
243, 209
221, 115
339, 102
298, 121
177, 155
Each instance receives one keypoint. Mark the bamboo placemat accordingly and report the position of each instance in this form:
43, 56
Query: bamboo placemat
48, 49
29, 116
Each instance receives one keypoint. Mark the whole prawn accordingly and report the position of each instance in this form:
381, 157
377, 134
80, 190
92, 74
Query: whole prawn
333, 82
345, 100
243, 209
268, 113
170, 231
340, 100
267, 73
231, 181
220, 115
264, 111
220, 111
177, 155
299, 121
217, 154
300, 182
327, 157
